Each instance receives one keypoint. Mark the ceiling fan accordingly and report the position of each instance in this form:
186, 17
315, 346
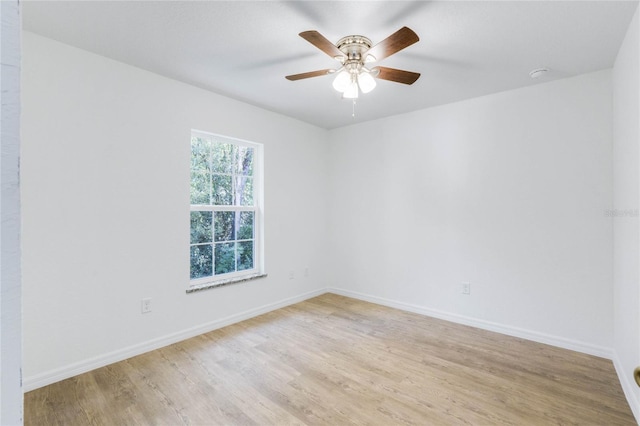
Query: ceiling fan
354, 52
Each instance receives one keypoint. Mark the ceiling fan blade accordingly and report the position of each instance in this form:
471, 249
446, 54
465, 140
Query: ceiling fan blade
319, 41
398, 76
310, 74
397, 41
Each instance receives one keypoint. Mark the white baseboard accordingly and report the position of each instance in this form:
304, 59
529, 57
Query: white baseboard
627, 387
535, 336
49, 377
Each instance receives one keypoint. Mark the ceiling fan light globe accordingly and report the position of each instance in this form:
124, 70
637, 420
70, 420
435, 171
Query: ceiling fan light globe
342, 81
366, 82
351, 92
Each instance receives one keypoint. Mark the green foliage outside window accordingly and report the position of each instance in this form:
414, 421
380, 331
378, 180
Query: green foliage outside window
222, 240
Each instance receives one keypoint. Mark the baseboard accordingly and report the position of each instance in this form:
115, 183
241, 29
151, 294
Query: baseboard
627, 387
535, 336
49, 377
623, 376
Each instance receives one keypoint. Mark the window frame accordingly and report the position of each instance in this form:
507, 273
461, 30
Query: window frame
258, 213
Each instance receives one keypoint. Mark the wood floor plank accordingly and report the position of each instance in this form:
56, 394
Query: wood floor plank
335, 360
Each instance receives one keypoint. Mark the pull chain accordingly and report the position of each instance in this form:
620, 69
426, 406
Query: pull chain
353, 110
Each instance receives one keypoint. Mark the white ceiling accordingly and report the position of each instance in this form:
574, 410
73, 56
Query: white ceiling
243, 49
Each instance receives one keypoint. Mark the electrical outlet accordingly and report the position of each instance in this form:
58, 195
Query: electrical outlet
465, 288
292, 275
146, 305
306, 271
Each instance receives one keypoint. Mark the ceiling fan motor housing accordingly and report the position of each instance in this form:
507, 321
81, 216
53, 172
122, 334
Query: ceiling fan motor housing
353, 47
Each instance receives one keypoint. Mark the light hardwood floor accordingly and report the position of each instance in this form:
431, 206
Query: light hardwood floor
333, 360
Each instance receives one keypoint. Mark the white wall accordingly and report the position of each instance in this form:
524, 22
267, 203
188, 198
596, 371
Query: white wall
105, 186
10, 288
626, 187
507, 191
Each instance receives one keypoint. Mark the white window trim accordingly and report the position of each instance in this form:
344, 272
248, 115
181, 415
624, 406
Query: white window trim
258, 208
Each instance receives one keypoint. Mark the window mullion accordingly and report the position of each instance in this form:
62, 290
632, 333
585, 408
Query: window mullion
210, 164
202, 207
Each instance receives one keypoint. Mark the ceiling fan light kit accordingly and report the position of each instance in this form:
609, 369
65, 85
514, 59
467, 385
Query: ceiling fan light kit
353, 52
342, 81
366, 82
351, 92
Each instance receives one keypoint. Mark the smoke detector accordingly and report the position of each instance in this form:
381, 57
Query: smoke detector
538, 72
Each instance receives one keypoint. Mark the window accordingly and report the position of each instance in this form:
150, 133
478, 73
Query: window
225, 209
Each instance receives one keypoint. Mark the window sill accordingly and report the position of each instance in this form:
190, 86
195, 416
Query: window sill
220, 283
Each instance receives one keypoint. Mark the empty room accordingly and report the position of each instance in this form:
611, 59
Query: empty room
318, 212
